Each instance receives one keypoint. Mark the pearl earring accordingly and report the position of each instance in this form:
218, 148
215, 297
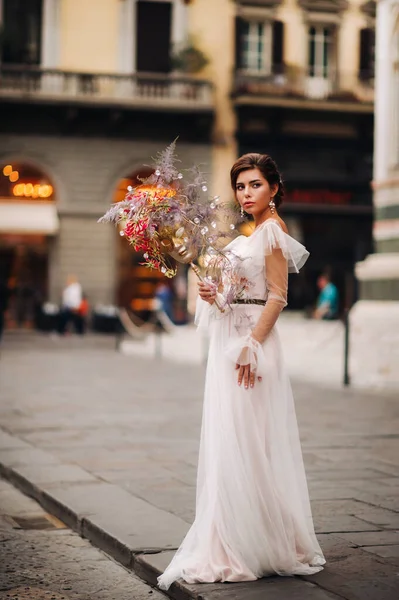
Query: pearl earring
242, 212
272, 206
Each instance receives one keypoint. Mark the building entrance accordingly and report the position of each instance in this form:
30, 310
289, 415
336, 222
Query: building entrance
136, 284
336, 242
28, 220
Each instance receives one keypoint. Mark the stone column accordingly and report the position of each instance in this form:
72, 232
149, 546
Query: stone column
374, 320
179, 23
51, 34
127, 36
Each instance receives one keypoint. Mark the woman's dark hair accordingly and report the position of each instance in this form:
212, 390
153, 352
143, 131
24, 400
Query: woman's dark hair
266, 166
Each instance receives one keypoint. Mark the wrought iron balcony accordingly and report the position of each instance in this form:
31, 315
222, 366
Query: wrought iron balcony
141, 90
299, 85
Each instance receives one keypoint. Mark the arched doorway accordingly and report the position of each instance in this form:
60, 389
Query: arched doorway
28, 220
137, 285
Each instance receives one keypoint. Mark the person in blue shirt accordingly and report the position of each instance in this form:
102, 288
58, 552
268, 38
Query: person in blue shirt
164, 295
328, 300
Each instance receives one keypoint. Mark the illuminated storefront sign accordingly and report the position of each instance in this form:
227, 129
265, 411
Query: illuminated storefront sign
319, 196
30, 190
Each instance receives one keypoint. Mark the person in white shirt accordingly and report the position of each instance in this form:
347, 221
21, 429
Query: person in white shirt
72, 297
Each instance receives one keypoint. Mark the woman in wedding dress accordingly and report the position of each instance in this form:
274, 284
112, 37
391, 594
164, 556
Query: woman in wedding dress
253, 516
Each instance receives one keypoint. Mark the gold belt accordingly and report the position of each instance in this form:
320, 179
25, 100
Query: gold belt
249, 301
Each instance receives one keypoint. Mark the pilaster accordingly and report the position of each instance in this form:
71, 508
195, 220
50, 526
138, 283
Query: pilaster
375, 318
51, 34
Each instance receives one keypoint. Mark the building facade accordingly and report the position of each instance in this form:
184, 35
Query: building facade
88, 94
295, 79
375, 318
303, 92
89, 91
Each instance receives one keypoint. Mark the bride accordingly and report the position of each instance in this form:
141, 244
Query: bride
253, 515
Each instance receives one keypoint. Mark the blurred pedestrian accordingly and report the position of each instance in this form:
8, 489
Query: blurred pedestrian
164, 295
82, 314
328, 300
72, 297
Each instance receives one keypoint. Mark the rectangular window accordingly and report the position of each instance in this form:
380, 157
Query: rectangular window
154, 20
256, 47
22, 31
367, 54
320, 41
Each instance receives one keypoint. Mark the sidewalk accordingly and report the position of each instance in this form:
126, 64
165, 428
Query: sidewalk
108, 443
313, 350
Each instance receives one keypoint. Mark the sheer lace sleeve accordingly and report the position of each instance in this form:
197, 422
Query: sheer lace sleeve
277, 288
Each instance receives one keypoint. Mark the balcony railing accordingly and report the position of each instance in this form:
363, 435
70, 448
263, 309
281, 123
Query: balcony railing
296, 83
141, 89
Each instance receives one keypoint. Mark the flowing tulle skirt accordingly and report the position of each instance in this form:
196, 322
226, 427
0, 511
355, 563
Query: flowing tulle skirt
253, 515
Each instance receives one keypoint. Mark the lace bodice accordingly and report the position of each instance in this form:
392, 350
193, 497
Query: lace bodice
257, 266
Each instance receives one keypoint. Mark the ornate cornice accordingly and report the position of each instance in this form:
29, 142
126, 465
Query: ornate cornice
370, 8
328, 6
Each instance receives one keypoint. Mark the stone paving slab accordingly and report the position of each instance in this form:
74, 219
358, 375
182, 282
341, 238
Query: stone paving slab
372, 538
54, 474
384, 551
8, 441
123, 433
355, 574
128, 519
28, 455
149, 567
341, 523
56, 564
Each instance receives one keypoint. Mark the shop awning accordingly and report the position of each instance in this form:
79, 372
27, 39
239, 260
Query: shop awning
28, 217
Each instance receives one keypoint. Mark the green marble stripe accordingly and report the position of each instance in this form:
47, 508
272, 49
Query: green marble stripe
379, 289
383, 213
387, 245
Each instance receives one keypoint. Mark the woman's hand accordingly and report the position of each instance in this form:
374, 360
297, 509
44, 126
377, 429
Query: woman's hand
245, 373
207, 291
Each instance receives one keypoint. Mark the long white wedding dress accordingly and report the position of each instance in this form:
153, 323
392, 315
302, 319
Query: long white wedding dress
253, 516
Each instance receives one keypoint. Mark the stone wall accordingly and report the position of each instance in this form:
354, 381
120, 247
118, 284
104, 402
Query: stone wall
85, 172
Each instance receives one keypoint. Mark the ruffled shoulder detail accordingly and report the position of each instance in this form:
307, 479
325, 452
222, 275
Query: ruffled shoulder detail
270, 236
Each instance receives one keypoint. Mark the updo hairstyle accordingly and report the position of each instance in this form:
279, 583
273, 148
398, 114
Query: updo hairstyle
266, 166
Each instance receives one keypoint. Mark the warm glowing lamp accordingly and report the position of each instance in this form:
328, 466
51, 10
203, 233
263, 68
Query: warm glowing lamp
14, 176
18, 190
32, 191
7, 170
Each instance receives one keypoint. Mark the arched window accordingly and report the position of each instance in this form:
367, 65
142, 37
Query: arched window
21, 181
135, 283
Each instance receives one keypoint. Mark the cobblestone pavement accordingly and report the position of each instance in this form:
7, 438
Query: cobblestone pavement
41, 559
117, 437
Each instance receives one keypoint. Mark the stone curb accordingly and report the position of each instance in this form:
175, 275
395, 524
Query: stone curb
88, 529
148, 563
83, 504
85, 528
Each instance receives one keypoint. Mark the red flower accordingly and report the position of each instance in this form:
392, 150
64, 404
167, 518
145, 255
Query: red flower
136, 229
